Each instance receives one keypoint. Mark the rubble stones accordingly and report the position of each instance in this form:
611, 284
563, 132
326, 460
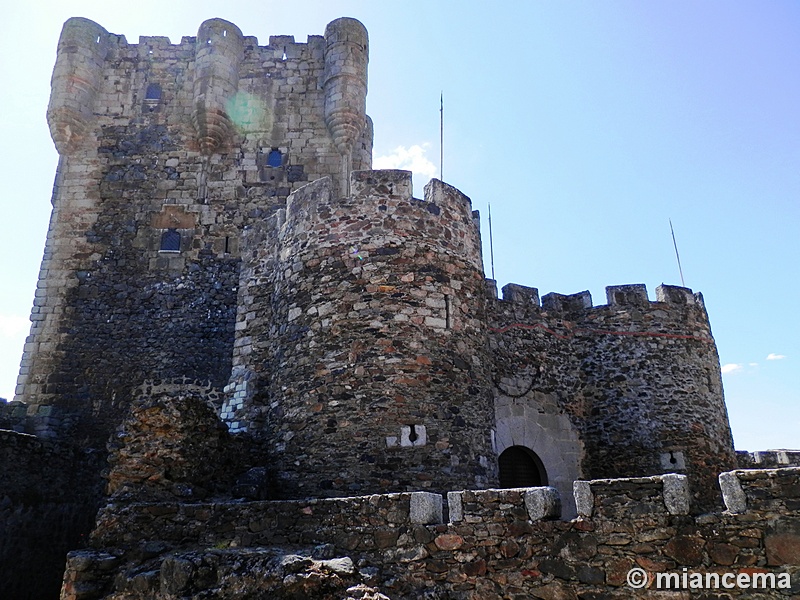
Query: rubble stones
493, 552
169, 446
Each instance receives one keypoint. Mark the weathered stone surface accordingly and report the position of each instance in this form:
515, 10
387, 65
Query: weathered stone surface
732, 493
170, 445
686, 550
676, 494
489, 553
783, 549
426, 508
455, 506
543, 503
342, 329
584, 499
448, 542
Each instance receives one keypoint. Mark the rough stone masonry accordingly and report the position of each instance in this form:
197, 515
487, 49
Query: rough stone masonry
239, 325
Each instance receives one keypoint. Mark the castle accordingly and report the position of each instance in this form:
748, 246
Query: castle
221, 252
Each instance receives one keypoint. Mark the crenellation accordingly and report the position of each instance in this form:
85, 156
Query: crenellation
561, 358
627, 295
571, 303
270, 343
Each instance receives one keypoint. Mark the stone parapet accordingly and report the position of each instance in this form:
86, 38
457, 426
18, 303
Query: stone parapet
476, 506
356, 522
768, 459
606, 391
609, 499
495, 545
774, 490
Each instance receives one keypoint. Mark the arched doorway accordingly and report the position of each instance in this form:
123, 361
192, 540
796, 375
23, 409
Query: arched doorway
520, 467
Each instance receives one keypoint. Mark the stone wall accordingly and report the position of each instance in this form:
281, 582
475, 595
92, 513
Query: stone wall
631, 387
768, 459
48, 500
495, 544
192, 141
360, 353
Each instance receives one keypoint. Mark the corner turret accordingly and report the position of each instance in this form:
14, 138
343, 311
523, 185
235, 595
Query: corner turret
77, 76
637, 382
219, 48
346, 58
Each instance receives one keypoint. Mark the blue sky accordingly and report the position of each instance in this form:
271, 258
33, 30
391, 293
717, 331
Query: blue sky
587, 125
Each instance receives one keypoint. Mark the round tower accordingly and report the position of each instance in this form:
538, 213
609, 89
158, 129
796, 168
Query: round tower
653, 390
219, 51
77, 77
346, 58
626, 389
373, 365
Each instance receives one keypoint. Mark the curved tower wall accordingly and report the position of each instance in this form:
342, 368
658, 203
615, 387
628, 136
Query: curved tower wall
370, 340
220, 46
639, 382
346, 58
77, 77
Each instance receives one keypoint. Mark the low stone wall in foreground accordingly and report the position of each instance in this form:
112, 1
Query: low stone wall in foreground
481, 545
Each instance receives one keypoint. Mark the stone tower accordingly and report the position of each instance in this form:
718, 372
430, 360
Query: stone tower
219, 249
629, 387
168, 151
361, 349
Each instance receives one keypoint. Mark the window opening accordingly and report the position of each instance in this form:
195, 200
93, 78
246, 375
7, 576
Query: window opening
227, 245
520, 467
153, 92
171, 241
448, 311
275, 158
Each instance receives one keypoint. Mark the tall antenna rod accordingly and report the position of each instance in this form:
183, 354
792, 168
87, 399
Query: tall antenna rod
441, 136
491, 243
674, 243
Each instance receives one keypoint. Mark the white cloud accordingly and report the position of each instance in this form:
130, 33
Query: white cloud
775, 357
409, 159
731, 367
13, 325
752, 365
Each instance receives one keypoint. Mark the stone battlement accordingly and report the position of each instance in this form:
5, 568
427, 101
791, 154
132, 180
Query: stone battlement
309, 521
616, 296
493, 541
768, 459
84, 33
232, 304
764, 490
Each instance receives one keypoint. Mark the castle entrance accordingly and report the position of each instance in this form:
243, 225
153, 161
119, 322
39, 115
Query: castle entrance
521, 467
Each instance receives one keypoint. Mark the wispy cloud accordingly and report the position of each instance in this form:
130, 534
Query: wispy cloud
775, 356
13, 325
410, 159
731, 368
